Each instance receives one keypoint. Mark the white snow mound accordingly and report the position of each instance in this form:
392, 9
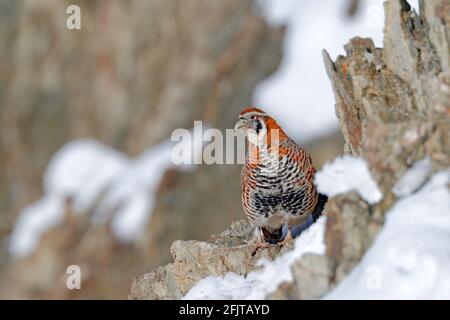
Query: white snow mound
348, 174
410, 257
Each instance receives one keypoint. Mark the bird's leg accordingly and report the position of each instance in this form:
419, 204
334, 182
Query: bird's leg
258, 241
261, 245
288, 238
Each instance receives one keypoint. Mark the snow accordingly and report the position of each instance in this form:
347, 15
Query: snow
80, 170
299, 93
413, 178
133, 190
87, 171
346, 174
34, 221
257, 284
410, 258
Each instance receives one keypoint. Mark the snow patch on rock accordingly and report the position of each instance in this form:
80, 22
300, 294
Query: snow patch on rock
346, 174
259, 283
409, 259
413, 178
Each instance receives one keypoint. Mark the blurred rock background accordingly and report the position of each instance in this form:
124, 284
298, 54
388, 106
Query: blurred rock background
136, 71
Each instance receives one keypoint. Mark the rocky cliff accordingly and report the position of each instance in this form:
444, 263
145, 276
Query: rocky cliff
393, 107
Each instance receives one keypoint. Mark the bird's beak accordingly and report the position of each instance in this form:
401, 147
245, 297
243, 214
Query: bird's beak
239, 124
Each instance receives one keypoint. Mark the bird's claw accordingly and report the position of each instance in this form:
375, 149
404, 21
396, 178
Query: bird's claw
260, 245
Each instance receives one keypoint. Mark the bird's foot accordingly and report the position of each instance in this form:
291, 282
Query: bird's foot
260, 245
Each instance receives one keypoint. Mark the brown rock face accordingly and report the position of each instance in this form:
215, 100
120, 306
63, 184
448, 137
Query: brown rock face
393, 106
136, 71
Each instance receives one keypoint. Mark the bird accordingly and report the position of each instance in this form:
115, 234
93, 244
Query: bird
279, 197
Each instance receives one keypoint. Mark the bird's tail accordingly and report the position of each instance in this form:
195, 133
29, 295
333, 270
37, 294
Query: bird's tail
319, 206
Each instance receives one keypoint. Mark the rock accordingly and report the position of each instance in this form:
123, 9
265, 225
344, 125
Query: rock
392, 104
312, 274
195, 260
216, 184
285, 291
350, 231
75, 241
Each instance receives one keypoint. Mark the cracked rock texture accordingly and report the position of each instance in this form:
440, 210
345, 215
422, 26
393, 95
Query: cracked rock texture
393, 107
194, 260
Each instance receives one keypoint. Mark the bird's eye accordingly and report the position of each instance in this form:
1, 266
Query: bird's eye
252, 118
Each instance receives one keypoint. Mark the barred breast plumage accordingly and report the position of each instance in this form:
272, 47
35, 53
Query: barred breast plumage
277, 178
